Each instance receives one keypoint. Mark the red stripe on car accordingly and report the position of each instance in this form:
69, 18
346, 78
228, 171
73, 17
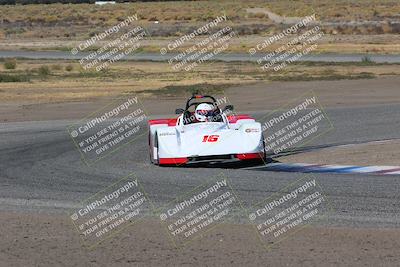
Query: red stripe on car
170, 122
245, 156
170, 161
235, 118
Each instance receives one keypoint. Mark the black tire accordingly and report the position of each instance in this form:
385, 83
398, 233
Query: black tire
265, 152
151, 150
156, 162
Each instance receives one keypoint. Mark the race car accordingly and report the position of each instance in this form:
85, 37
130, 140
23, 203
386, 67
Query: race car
203, 132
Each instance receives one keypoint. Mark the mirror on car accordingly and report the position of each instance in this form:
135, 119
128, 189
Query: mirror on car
179, 111
228, 107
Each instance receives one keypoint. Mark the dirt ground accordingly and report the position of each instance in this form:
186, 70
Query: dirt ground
340, 43
48, 240
246, 98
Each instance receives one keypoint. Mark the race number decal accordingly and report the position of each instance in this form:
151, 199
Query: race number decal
210, 138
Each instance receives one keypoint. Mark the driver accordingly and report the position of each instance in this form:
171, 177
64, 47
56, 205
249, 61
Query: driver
204, 112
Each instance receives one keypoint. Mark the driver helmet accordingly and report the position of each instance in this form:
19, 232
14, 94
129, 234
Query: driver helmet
203, 112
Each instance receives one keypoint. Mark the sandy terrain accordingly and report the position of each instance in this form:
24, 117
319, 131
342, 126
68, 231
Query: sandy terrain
49, 240
246, 98
66, 81
340, 43
275, 17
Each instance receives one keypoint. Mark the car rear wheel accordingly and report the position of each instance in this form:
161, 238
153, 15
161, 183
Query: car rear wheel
150, 148
153, 150
265, 152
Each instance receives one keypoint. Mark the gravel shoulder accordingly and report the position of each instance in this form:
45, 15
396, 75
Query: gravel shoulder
49, 240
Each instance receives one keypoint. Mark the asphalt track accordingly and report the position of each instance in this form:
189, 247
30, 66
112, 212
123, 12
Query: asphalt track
41, 170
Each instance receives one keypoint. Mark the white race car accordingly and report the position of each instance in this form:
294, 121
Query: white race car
205, 133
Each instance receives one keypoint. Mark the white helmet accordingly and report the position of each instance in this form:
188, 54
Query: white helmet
203, 111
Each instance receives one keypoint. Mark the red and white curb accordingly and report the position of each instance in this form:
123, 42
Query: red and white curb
321, 168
